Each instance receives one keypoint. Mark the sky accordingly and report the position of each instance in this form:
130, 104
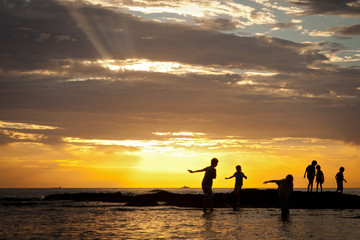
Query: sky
132, 93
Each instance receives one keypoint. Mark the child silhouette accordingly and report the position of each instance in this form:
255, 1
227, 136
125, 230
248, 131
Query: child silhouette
340, 179
239, 175
319, 178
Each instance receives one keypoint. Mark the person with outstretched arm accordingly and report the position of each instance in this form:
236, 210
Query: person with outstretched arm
286, 187
238, 175
210, 174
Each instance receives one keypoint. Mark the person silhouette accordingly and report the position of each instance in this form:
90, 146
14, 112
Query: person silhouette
310, 173
285, 188
239, 175
210, 174
319, 178
340, 179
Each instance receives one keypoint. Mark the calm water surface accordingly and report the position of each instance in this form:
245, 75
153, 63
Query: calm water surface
33, 219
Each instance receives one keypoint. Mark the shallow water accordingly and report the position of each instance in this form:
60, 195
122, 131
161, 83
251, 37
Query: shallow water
32, 219
68, 220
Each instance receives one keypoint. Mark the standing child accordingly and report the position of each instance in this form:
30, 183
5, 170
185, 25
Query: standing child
310, 174
285, 189
210, 174
340, 179
239, 175
319, 178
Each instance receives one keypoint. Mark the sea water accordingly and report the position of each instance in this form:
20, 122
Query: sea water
31, 218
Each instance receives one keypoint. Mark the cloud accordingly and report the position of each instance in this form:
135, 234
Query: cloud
352, 30
101, 33
332, 7
284, 25
278, 6
128, 77
222, 24
130, 37
134, 105
316, 33
193, 10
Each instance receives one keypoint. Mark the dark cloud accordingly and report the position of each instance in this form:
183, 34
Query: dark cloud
284, 25
333, 7
62, 41
221, 24
4, 139
346, 30
306, 105
30, 42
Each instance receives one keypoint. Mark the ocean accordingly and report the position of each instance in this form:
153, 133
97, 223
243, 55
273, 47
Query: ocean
31, 218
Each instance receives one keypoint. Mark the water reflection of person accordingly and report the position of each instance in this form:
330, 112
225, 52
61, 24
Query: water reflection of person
285, 188
310, 173
210, 174
239, 175
340, 179
319, 178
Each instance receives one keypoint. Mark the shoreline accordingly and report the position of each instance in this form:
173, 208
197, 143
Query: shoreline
250, 198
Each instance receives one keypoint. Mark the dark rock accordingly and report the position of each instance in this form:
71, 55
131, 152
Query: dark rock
103, 197
250, 198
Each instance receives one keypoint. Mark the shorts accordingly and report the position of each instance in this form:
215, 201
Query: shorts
208, 194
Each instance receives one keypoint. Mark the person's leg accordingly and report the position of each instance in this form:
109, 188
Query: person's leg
211, 201
341, 187
205, 204
208, 195
284, 206
236, 195
205, 201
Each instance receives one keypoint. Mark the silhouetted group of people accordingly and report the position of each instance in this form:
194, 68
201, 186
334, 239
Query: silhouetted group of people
318, 175
285, 186
210, 174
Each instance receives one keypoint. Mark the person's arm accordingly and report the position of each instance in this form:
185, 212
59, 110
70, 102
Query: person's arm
305, 172
230, 177
274, 181
201, 170
244, 176
345, 180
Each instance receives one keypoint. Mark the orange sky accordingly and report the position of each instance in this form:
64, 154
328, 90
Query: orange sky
163, 162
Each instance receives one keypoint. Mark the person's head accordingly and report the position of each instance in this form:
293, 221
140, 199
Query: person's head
238, 168
318, 167
342, 169
314, 162
289, 178
214, 162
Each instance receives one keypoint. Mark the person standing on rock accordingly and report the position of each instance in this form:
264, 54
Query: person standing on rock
319, 178
210, 174
340, 179
310, 173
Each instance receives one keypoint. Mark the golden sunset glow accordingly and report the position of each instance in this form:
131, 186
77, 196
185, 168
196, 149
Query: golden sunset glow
163, 161
162, 67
